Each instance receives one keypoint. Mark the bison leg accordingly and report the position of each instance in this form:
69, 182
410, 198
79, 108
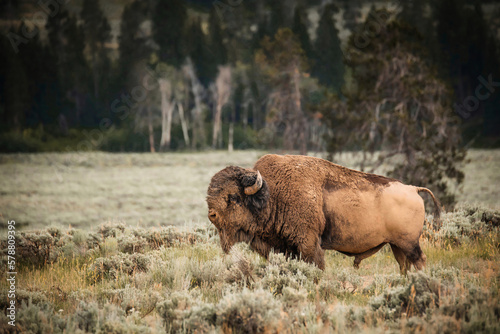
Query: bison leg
368, 253
312, 252
417, 257
404, 263
407, 257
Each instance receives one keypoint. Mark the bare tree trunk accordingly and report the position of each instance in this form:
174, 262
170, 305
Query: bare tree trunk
230, 139
184, 126
198, 131
96, 80
217, 125
150, 128
222, 92
245, 116
256, 107
300, 119
167, 108
230, 146
95, 76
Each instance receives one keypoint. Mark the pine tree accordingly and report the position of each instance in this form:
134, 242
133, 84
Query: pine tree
352, 13
169, 21
300, 30
465, 51
37, 69
283, 63
398, 107
216, 37
202, 57
97, 32
66, 45
133, 45
413, 12
278, 17
14, 92
328, 67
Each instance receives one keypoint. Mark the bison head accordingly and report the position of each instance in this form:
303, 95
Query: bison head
236, 200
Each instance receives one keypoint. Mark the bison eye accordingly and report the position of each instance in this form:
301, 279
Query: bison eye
234, 199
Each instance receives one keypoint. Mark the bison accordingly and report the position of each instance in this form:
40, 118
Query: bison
301, 205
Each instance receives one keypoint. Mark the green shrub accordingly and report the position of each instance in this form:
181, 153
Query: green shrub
89, 318
15, 142
241, 312
86, 317
470, 311
239, 265
124, 140
166, 237
131, 299
110, 267
293, 298
201, 318
206, 273
249, 311
111, 230
39, 319
467, 222
36, 248
281, 272
419, 294
173, 310
131, 244
381, 282
43, 247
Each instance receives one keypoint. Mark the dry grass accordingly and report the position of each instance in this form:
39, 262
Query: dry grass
83, 190
86, 189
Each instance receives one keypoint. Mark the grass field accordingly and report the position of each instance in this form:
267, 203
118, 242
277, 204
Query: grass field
83, 190
120, 268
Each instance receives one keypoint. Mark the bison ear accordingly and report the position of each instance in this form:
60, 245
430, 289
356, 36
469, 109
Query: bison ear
256, 191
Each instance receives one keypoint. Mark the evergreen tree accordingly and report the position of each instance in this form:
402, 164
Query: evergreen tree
9, 9
216, 36
66, 45
202, 57
329, 68
283, 63
258, 36
465, 51
134, 45
398, 107
352, 13
169, 21
37, 68
300, 30
413, 12
278, 16
97, 32
14, 92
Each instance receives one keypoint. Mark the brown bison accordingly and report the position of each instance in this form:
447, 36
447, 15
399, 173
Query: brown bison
301, 205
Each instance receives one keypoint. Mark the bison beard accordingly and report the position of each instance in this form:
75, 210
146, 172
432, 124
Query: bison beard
301, 206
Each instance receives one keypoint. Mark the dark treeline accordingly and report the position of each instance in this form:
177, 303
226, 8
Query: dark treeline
298, 75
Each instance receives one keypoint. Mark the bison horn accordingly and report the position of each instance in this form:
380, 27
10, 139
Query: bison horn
250, 190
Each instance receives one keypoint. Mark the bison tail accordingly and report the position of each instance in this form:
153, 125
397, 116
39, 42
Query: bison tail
437, 206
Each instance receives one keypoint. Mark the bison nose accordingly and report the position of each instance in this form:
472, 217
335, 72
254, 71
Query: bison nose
212, 214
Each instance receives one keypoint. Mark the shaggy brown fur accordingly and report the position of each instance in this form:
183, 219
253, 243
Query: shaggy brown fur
306, 205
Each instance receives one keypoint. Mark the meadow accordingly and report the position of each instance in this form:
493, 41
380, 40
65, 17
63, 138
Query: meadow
84, 190
120, 243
